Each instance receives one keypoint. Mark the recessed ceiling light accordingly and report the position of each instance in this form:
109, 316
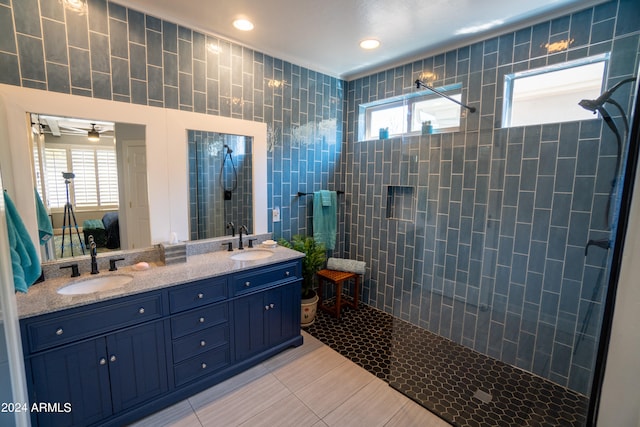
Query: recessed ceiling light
243, 24
369, 44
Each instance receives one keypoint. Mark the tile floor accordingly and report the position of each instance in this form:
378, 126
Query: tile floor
311, 385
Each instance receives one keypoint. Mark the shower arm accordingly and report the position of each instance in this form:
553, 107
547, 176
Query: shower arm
419, 83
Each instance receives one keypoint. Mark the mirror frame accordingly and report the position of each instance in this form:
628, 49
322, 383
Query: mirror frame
166, 146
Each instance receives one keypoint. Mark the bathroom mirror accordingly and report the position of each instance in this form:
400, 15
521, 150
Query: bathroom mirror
220, 183
166, 139
90, 175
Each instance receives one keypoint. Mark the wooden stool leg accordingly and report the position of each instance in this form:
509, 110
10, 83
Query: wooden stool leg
338, 299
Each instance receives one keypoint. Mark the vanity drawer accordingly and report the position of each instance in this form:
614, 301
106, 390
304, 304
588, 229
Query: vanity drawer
199, 319
198, 293
203, 364
65, 328
200, 342
251, 281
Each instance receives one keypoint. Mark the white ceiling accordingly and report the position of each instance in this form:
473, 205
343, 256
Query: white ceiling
324, 35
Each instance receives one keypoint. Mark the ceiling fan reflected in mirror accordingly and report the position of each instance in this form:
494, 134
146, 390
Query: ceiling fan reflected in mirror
93, 130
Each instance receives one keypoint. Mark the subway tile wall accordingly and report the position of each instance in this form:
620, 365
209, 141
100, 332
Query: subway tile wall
495, 258
120, 54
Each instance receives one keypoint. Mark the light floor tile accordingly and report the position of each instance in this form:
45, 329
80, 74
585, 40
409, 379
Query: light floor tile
218, 391
373, 405
330, 390
179, 415
413, 414
240, 405
291, 354
309, 367
288, 412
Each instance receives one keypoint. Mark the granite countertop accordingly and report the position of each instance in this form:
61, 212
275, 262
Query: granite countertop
43, 297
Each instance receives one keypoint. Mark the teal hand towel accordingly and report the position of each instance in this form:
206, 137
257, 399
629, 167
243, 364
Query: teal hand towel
24, 258
45, 229
325, 196
325, 219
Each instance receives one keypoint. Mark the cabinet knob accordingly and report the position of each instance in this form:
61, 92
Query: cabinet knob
266, 307
141, 311
286, 273
203, 343
201, 320
204, 366
200, 295
271, 306
59, 332
103, 361
112, 358
247, 284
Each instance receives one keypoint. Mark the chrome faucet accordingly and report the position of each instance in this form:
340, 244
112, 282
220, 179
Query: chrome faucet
93, 251
246, 232
231, 226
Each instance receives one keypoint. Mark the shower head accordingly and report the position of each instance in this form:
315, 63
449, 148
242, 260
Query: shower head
594, 104
229, 150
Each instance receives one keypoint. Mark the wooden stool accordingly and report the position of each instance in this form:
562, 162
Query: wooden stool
337, 278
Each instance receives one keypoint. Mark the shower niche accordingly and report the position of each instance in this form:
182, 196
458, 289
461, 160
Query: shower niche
400, 203
220, 183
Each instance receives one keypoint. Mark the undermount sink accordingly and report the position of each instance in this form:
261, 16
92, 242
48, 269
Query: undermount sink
251, 255
96, 284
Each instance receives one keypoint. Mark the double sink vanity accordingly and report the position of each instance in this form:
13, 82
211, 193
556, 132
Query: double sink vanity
111, 348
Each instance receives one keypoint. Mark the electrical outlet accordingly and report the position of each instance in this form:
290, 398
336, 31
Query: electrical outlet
276, 214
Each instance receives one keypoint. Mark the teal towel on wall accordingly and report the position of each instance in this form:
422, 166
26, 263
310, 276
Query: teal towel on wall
325, 219
24, 258
45, 229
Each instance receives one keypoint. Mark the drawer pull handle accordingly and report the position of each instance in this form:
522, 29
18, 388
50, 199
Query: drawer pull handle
112, 358
201, 320
266, 307
200, 295
59, 332
103, 361
286, 273
247, 284
141, 311
271, 306
204, 366
202, 343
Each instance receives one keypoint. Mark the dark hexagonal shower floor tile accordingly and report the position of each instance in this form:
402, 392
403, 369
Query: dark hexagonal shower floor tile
462, 386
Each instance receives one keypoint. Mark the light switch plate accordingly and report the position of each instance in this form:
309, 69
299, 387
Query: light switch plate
276, 214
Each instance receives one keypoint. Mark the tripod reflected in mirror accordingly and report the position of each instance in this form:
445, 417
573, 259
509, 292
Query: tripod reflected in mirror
69, 216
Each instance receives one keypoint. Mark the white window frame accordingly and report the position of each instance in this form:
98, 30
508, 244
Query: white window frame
562, 112
407, 102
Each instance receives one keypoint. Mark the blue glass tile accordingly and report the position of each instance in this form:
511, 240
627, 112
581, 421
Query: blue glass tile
565, 172
138, 92
118, 39
521, 52
117, 11
9, 70
529, 174
627, 22
120, 76
156, 86
539, 38
53, 10
537, 257
184, 33
570, 296
7, 34
169, 37
568, 144
583, 194
519, 269
540, 229
579, 228
602, 31
574, 263
525, 206
522, 238
101, 85
27, 22
544, 192
98, 16
560, 25
154, 48
561, 359
153, 23
549, 307
31, 58
138, 63
171, 97
184, 56
514, 159
100, 53
170, 69
58, 78
505, 52
557, 243
136, 26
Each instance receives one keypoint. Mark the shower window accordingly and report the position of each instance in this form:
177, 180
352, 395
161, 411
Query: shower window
551, 94
404, 115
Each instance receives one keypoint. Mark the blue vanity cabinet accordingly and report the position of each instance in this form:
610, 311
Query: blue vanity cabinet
99, 374
267, 311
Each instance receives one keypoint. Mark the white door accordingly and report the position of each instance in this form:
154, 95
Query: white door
138, 229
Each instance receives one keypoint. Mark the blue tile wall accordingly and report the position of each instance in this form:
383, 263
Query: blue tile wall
120, 54
495, 258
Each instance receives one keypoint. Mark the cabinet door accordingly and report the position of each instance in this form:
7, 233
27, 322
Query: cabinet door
137, 365
249, 317
283, 315
77, 375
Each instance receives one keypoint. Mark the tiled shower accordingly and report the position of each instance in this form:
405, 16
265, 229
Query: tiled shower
478, 236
